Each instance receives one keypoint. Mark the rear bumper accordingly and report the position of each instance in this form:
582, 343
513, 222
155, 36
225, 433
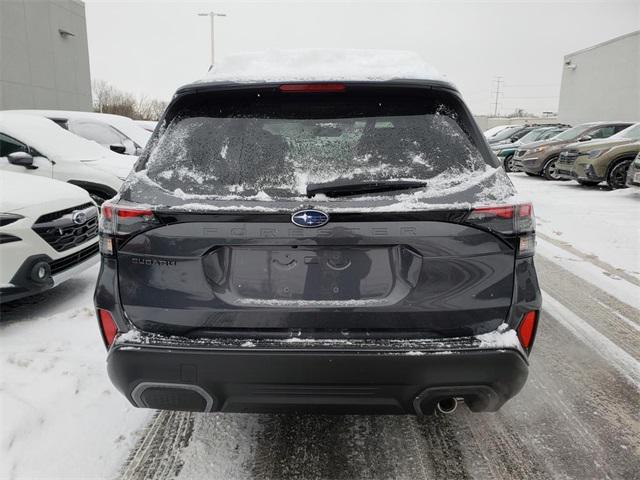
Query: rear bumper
199, 375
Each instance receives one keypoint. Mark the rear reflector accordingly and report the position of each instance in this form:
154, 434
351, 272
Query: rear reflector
312, 87
107, 326
527, 328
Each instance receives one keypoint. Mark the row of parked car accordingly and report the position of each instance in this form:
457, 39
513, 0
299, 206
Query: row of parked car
55, 168
589, 153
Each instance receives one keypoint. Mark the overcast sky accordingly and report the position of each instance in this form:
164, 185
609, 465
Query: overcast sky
152, 47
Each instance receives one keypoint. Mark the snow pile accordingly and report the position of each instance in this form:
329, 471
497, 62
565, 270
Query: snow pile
502, 337
60, 415
322, 65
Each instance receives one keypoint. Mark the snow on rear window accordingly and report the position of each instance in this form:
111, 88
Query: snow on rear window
261, 149
252, 157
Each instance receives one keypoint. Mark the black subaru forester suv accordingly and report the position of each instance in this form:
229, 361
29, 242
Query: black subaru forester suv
318, 247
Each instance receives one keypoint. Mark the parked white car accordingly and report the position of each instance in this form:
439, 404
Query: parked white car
37, 146
115, 132
48, 234
495, 130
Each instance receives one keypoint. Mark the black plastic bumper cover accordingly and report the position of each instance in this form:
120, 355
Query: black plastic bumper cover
313, 380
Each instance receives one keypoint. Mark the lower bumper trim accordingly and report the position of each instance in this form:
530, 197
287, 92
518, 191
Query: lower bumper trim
312, 381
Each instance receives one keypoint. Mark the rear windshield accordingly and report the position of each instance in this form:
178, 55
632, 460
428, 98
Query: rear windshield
270, 145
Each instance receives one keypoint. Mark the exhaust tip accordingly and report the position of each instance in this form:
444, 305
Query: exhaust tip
447, 405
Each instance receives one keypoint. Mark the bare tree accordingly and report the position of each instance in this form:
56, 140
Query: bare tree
108, 99
519, 113
150, 109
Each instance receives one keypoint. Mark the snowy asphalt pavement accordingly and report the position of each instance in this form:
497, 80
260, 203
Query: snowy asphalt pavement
577, 417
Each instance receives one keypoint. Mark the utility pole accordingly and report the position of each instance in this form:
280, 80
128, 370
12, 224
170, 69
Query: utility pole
499, 82
212, 16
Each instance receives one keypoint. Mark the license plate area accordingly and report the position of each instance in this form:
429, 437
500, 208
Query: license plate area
304, 276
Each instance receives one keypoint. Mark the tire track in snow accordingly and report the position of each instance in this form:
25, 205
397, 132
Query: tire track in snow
158, 454
607, 267
616, 356
577, 413
340, 447
610, 317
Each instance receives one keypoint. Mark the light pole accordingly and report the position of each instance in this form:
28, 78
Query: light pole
212, 16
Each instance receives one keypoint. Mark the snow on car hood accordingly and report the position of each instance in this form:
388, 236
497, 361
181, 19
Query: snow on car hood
119, 166
22, 190
322, 65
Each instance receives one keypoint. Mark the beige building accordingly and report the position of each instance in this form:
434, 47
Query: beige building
602, 82
44, 57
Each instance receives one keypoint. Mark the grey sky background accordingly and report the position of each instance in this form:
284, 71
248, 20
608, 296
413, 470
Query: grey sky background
152, 47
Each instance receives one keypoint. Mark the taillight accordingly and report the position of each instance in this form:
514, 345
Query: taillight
509, 220
527, 328
122, 221
312, 87
108, 327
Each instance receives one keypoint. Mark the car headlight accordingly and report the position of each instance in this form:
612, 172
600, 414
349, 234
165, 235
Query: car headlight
538, 149
597, 153
8, 218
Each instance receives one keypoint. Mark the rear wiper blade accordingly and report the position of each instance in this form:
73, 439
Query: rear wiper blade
340, 188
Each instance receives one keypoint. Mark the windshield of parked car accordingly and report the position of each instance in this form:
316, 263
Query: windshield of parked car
533, 135
494, 131
506, 133
573, 132
274, 146
629, 133
551, 133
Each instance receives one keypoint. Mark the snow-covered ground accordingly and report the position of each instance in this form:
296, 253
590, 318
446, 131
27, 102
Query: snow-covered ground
60, 416
595, 221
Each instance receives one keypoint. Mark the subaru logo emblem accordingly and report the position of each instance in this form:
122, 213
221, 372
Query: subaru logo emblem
309, 218
78, 217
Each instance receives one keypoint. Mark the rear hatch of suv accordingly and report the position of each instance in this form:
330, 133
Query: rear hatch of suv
317, 210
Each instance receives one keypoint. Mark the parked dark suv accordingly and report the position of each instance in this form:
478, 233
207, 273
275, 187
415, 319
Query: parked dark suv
323, 247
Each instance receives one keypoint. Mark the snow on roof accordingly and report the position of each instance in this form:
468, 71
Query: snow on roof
322, 65
119, 122
58, 144
48, 138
